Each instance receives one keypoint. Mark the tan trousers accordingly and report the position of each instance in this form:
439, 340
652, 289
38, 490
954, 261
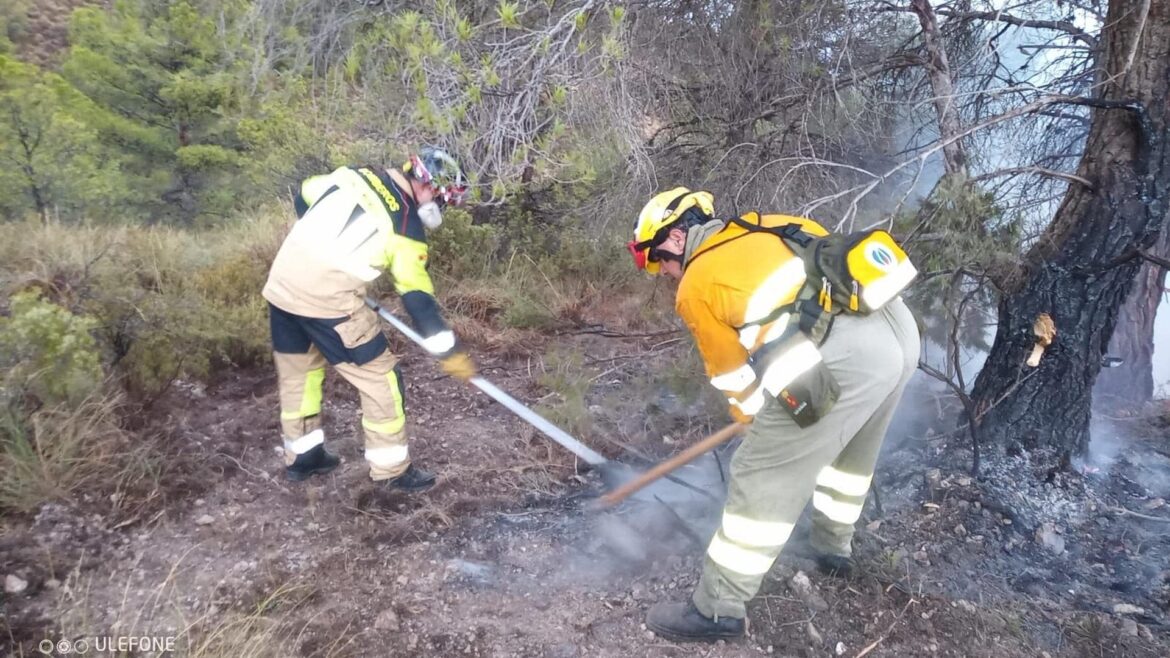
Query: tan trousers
383, 418
780, 465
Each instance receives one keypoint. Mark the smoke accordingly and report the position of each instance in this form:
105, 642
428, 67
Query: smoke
1162, 340
1106, 443
668, 520
1124, 447
664, 522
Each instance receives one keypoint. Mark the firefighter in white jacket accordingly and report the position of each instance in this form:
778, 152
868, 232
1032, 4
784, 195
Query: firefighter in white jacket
354, 224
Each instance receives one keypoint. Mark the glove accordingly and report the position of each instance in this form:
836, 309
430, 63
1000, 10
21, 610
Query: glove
459, 365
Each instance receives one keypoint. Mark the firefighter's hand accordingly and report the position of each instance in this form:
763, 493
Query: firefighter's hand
459, 365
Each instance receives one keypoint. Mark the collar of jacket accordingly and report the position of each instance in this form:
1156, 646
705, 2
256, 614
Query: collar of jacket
403, 185
698, 235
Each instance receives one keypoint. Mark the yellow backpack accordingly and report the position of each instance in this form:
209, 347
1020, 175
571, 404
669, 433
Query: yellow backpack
855, 273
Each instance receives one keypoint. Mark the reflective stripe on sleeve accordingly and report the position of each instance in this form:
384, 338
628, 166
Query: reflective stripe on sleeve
735, 381
846, 483
305, 443
749, 532
748, 336
750, 406
836, 510
440, 343
387, 457
779, 288
737, 558
778, 328
878, 292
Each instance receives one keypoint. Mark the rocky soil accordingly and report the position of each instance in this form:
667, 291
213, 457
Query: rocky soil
509, 556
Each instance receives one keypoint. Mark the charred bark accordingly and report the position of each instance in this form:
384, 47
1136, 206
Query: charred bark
1132, 383
1082, 268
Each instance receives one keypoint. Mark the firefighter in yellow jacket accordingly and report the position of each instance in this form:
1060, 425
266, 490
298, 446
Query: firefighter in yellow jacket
354, 224
819, 395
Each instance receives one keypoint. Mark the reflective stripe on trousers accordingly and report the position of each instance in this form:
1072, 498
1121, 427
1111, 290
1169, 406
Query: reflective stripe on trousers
738, 542
780, 466
301, 445
383, 415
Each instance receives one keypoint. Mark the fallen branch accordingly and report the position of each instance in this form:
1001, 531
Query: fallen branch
600, 330
1125, 512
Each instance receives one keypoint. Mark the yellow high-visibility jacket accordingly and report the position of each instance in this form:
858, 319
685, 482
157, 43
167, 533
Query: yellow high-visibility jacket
732, 281
356, 223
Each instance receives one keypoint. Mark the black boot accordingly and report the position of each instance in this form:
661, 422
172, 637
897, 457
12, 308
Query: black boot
682, 622
413, 480
315, 461
835, 565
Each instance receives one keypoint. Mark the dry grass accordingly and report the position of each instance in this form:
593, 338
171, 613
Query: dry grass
58, 451
270, 625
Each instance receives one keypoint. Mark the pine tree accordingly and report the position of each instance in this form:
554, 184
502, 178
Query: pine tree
51, 162
163, 84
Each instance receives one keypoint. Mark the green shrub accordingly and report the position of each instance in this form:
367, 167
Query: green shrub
163, 303
460, 249
188, 312
524, 311
47, 352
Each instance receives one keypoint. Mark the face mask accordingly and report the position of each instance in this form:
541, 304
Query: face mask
430, 215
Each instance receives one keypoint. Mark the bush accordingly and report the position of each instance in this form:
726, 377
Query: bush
460, 249
163, 303
567, 380
47, 352
525, 311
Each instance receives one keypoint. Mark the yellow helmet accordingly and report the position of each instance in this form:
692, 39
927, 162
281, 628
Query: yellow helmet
662, 211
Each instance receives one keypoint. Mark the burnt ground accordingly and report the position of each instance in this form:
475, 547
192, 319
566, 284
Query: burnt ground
509, 557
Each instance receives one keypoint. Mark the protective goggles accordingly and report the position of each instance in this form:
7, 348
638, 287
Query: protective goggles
445, 195
646, 255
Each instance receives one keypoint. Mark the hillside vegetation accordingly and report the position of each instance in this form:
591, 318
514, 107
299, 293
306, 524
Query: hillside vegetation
149, 152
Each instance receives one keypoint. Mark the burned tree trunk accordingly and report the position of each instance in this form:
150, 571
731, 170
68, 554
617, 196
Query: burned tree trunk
1081, 269
1132, 383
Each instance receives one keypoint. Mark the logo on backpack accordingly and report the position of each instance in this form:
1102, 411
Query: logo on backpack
881, 256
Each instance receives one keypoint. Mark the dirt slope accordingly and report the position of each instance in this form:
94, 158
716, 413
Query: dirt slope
506, 557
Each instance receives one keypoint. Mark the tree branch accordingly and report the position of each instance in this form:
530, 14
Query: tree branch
1157, 260
1067, 27
939, 70
1033, 169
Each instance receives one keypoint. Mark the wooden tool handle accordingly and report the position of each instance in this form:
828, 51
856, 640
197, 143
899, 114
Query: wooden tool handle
681, 459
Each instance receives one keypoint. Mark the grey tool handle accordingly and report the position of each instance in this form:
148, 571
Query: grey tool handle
539, 422
515, 406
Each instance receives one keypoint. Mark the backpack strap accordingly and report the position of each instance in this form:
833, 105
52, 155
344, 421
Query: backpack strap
811, 316
791, 234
